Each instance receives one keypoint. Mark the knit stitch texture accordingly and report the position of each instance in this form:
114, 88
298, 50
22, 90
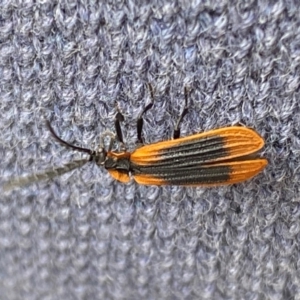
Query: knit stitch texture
85, 236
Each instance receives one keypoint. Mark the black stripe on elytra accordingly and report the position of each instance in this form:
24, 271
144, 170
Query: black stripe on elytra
189, 145
192, 152
174, 163
188, 176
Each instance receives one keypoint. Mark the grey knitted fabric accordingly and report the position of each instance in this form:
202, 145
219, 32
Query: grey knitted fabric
85, 236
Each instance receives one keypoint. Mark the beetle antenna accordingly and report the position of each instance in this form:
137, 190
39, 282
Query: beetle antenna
89, 151
47, 174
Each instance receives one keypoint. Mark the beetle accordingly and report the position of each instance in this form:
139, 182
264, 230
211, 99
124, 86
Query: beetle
216, 157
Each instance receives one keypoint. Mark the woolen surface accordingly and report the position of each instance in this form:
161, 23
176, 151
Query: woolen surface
84, 235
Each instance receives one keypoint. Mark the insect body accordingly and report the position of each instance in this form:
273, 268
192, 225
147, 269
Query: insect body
209, 158
216, 157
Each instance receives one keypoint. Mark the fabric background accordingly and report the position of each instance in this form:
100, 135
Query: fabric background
84, 235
